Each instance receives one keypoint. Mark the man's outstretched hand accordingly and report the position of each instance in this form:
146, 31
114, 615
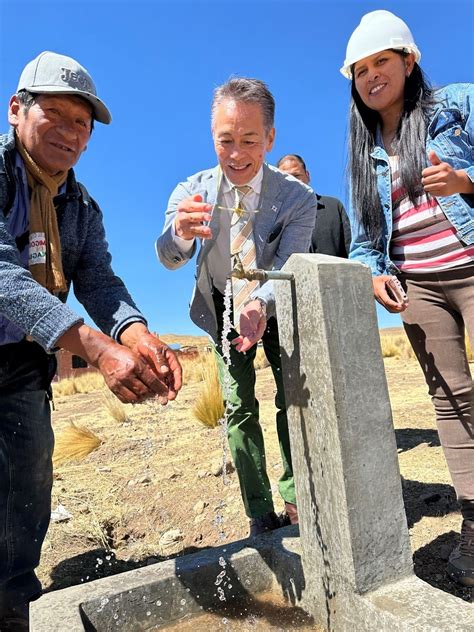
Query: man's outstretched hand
158, 356
253, 321
143, 366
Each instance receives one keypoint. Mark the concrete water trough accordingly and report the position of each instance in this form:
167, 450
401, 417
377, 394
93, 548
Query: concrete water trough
169, 591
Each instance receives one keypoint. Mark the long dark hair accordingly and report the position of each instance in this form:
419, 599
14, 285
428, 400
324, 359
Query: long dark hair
409, 144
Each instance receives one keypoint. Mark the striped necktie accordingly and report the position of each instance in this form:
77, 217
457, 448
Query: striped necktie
242, 248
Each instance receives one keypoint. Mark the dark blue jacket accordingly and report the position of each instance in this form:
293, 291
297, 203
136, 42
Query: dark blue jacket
86, 263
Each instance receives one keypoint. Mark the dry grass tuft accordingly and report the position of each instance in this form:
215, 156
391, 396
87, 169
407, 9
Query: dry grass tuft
209, 406
64, 388
74, 443
88, 382
114, 406
398, 346
470, 354
85, 383
261, 361
195, 368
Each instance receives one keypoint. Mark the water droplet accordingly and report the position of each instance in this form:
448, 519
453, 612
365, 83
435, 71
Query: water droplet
183, 602
103, 602
158, 603
148, 613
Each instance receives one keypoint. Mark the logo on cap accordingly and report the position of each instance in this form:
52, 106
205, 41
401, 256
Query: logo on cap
76, 80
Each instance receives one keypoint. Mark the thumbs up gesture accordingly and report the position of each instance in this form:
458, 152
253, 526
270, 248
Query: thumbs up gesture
442, 179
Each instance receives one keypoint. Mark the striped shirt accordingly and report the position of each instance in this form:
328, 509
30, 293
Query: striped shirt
423, 239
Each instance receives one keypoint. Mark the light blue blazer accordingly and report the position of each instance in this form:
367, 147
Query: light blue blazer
283, 225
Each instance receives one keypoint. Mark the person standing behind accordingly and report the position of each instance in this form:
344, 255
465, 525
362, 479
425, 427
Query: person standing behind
52, 237
412, 215
332, 231
251, 211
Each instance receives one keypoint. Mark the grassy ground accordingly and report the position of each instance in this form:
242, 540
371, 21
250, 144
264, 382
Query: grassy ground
154, 472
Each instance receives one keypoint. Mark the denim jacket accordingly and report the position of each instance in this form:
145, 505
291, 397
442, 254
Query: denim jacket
86, 264
451, 135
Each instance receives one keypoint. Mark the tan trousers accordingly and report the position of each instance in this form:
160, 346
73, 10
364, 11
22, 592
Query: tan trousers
441, 308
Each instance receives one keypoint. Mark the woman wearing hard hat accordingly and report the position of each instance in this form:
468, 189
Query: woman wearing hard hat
411, 153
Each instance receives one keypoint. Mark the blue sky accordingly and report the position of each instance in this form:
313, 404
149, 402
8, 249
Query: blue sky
156, 64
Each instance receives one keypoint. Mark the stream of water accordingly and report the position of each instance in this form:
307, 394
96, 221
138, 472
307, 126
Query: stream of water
221, 580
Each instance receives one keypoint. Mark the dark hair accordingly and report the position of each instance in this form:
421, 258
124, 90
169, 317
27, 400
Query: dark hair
27, 99
409, 144
248, 91
294, 157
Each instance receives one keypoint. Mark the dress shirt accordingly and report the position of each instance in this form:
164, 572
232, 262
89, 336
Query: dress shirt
219, 263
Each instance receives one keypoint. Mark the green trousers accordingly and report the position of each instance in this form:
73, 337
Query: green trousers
244, 430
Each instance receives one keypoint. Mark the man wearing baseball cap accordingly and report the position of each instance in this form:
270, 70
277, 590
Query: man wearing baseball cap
52, 235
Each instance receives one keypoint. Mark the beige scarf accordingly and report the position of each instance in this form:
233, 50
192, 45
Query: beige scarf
45, 262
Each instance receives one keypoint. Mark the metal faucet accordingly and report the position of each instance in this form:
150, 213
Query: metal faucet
257, 274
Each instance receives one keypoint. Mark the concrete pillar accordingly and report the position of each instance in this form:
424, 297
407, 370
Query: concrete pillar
355, 549
352, 520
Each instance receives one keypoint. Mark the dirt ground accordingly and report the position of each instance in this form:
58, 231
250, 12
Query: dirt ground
156, 473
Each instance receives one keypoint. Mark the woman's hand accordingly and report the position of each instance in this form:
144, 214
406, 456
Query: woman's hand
382, 296
442, 179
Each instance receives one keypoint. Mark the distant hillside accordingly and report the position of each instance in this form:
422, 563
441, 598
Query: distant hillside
392, 331
185, 341
203, 341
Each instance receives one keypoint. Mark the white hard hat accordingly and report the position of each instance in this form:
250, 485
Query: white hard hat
377, 31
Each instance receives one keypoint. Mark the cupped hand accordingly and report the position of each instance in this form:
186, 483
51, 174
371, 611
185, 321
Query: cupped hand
128, 375
163, 362
252, 325
191, 217
381, 295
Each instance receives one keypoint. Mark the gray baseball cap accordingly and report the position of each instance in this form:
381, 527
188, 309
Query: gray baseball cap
51, 73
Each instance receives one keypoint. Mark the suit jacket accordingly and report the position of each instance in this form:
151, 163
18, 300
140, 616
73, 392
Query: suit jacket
332, 230
283, 225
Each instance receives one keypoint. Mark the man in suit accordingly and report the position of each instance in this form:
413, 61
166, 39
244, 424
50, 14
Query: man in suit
332, 231
242, 194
